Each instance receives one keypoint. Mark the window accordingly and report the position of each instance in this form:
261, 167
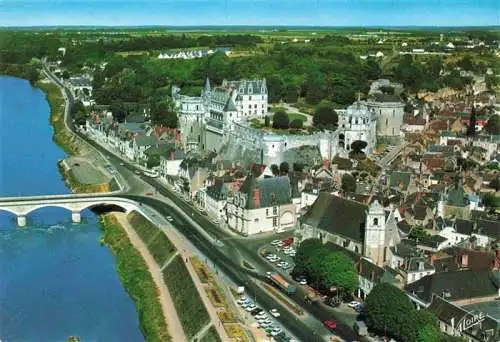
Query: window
250, 98
375, 221
275, 210
386, 121
256, 220
275, 221
267, 212
250, 106
255, 106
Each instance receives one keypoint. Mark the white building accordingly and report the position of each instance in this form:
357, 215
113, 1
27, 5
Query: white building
261, 205
389, 112
357, 123
251, 96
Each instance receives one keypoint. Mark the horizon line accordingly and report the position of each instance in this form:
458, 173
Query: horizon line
247, 26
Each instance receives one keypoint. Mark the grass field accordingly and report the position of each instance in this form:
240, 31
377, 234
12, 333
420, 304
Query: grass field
161, 248
293, 116
211, 336
143, 227
190, 308
136, 280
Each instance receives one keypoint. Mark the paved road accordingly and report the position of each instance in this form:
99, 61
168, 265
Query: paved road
227, 257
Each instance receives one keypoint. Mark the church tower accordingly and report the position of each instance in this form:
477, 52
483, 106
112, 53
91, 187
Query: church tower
375, 231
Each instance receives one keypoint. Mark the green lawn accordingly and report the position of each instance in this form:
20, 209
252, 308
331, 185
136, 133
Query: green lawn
211, 336
161, 248
187, 301
293, 116
144, 228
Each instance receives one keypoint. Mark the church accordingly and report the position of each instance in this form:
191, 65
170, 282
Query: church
357, 122
369, 231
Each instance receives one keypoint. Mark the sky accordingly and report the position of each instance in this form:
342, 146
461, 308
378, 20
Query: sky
250, 12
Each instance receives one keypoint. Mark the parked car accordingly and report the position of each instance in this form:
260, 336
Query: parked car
256, 311
169, 218
275, 331
276, 243
330, 324
250, 307
274, 312
303, 281
353, 304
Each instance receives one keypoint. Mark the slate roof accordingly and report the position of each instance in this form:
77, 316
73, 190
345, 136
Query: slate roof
457, 197
404, 226
414, 265
488, 228
464, 226
381, 97
218, 190
374, 273
338, 216
454, 285
145, 140
404, 250
247, 87
266, 192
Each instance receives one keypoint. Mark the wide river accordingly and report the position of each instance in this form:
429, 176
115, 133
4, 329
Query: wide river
56, 280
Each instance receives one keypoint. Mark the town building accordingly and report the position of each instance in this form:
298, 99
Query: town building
389, 112
261, 205
357, 122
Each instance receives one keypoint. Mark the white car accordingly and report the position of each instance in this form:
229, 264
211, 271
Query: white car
276, 243
275, 332
274, 312
353, 304
303, 282
169, 218
250, 307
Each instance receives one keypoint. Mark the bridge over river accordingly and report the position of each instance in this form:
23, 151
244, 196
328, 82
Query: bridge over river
75, 203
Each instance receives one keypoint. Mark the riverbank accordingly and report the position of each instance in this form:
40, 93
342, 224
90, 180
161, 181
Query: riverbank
137, 280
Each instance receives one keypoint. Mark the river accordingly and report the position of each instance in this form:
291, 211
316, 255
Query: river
56, 280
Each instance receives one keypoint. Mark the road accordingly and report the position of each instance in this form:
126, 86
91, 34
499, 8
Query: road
228, 257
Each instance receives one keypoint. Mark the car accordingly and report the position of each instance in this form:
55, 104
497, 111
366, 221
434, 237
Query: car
274, 312
256, 311
303, 281
137, 172
284, 264
122, 164
263, 324
276, 242
275, 332
261, 316
250, 307
353, 304
268, 274
169, 218
330, 324
242, 300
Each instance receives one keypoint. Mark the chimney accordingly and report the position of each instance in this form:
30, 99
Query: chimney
420, 265
465, 260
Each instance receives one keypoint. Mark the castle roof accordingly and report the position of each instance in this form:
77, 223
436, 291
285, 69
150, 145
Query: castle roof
247, 87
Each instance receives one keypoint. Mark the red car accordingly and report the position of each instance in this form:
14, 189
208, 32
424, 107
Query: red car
330, 324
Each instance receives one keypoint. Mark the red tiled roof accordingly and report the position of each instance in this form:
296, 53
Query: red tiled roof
410, 119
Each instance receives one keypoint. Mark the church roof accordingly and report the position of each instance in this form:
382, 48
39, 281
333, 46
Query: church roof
337, 216
266, 192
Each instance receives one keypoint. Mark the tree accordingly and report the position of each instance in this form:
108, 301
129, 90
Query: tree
491, 201
153, 161
337, 270
284, 167
493, 125
118, 110
428, 334
408, 108
275, 169
267, 121
325, 116
275, 88
471, 129
387, 90
358, 145
291, 93
419, 323
304, 252
280, 120
296, 124
387, 310
298, 167
348, 183
65, 75
164, 114
495, 184
79, 113
33, 75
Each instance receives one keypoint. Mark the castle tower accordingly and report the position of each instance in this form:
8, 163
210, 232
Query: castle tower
375, 231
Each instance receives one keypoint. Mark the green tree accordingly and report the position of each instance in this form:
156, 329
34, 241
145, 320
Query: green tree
79, 113
118, 110
291, 93
358, 145
32, 74
275, 88
164, 114
348, 183
339, 271
275, 169
491, 201
153, 161
304, 252
493, 125
428, 334
387, 310
296, 124
298, 167
284, 167
267, 121
325, 116
280, 120
408, 108
387, 90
